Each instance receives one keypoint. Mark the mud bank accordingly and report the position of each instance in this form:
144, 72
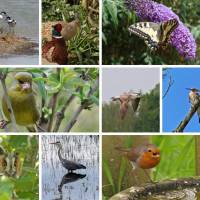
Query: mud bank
17, 46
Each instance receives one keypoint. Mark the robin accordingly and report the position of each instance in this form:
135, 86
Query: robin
143, 156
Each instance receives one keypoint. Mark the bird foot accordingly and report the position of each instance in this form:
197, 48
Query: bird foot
3, 123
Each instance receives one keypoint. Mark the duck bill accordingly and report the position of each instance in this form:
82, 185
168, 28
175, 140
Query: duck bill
26, 86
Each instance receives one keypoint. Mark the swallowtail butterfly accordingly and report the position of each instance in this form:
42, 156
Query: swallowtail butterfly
155, 35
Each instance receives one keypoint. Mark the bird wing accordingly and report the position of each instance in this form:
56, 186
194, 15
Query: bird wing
135, 103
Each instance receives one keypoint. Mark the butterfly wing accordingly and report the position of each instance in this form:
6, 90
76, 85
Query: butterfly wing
148, 31
155, 35
166, 28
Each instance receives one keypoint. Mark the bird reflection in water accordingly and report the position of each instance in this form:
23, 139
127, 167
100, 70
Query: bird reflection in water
68, 178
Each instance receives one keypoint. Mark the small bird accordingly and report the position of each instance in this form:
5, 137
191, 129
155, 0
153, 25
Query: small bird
125, 98
143, 156
22, 100
55, 51
67, 164
194, 99
7, 24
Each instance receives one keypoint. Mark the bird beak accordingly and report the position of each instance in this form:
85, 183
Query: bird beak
26, 86
187, 88
52, 143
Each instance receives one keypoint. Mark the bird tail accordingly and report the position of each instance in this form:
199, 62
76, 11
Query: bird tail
198, 112
122, 149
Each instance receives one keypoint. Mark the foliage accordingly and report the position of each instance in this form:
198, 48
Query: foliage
177, 161
145, 120
121, 48
27, 185
55, 88
84, 47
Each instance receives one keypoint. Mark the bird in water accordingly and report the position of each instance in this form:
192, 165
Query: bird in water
67, 164
55, 51
23, 102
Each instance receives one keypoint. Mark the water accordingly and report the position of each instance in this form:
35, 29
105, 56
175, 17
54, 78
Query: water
82, 184
26, 13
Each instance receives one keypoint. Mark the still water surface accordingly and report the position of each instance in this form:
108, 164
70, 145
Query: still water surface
82, 184
26, 13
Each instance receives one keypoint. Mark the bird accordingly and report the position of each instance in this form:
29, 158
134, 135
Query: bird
55, 51
125, 98
194, 99
67, 164
23, 102
7, 24
145, 156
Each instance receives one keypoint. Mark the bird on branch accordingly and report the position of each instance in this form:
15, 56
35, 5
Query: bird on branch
194, 99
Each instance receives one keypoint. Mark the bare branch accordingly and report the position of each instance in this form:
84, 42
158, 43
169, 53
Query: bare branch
73, 120
188, 117
10, 109
170, 83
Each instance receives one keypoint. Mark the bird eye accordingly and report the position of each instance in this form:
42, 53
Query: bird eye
21, 82
149, 150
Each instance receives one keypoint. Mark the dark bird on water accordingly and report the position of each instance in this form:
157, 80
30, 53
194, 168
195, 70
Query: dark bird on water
67, 164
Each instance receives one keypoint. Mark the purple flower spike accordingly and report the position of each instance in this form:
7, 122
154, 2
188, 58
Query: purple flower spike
181, 38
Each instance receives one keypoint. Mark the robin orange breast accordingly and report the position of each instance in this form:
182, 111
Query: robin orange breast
143, 156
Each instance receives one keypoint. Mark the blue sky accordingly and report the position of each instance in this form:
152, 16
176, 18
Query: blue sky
176, 104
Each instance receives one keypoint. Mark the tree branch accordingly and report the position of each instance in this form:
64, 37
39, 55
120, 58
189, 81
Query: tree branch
60, 115
73, 120
157, 188
170, 83
10, 109
188, 117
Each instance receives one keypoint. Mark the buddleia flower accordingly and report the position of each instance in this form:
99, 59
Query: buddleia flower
181, 38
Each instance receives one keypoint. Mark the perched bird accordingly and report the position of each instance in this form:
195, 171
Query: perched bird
56, 50
143, 156
194, 99
125, 99
67, 164
22, 100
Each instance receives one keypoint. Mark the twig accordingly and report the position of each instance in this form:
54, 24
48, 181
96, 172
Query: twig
188, 117
73, 120
157, 188
10, 109
52, 105
60, 115
93, 10
170, 83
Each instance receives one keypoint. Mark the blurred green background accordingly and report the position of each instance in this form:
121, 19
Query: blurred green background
27, 186
121, 48
179, 158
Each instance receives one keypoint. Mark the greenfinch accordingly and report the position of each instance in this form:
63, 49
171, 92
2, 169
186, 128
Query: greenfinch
22, 100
